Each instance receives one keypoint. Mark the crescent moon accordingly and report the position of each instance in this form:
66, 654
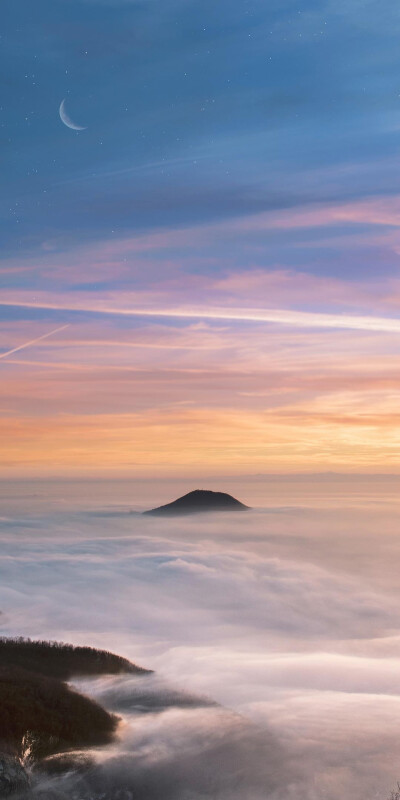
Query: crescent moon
67, 120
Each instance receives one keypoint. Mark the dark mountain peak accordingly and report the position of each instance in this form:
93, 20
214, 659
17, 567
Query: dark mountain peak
199, 500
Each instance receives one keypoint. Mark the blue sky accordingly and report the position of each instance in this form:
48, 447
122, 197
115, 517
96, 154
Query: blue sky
222, 239
194, 111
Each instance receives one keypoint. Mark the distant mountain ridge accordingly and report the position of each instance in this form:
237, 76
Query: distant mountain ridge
199, 501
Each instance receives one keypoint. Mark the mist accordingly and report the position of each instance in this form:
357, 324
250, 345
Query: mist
274, 636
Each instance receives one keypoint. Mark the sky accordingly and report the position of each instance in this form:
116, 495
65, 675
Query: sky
203, 279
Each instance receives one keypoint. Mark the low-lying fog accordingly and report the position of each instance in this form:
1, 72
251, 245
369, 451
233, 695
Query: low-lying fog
274, 634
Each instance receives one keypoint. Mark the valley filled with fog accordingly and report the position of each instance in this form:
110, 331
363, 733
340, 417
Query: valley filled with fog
274, 634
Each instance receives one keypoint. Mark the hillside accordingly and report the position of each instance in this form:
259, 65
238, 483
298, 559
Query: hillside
62, 661
35, 700
56, 717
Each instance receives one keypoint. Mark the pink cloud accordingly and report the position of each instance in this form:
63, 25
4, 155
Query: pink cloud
373, 211
121, 254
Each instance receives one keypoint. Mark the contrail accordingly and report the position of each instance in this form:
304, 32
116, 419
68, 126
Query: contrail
299, 319
32, 341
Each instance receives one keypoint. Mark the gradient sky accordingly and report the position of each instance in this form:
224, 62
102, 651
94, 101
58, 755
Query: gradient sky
222, 240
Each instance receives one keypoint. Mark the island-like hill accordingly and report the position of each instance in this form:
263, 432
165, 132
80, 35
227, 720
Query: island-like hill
199, 501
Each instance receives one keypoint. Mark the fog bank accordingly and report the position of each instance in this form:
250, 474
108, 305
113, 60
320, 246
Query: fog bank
275, 636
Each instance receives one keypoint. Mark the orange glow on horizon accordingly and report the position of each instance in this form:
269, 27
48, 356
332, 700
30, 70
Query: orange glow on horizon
199, 442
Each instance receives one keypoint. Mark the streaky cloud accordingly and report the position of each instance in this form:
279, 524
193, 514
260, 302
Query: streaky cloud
300, 319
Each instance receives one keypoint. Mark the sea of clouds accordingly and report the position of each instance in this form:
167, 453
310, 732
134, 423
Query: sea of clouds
274, 635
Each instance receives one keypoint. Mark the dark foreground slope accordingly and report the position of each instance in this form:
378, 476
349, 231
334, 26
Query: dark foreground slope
54, 716
199, 501
35, 699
